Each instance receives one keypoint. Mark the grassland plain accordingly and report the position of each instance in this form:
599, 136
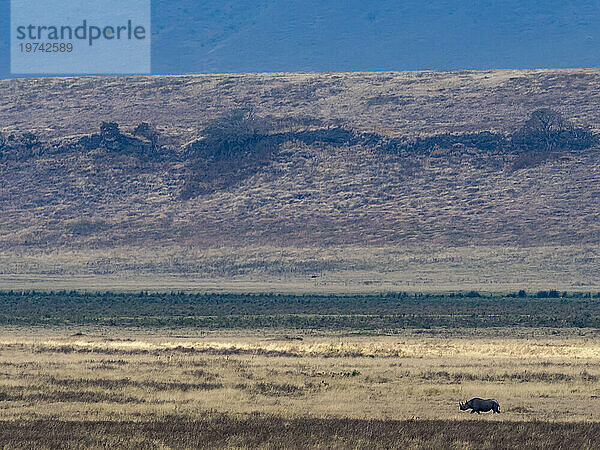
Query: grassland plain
92, 386
315, 216
82, 370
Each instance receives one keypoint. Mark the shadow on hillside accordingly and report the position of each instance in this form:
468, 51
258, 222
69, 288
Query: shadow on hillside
239, 143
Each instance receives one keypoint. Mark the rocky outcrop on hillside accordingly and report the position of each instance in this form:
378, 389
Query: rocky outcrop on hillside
143, 143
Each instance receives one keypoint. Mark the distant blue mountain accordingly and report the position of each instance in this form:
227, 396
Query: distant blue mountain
363, 35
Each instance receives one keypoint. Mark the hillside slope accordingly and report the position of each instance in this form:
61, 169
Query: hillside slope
322, 204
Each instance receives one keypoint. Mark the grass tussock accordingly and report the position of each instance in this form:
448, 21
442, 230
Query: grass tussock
518, 377
61, 396
121, 383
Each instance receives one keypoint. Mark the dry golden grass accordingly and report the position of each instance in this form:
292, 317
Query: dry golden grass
131, 375
294, 269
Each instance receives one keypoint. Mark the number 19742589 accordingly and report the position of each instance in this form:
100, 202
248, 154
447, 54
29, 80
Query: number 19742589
46, 47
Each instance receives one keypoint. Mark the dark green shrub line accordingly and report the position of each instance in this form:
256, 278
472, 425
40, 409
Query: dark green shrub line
362, 312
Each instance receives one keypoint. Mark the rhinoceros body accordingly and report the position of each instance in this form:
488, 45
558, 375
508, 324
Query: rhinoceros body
479, 405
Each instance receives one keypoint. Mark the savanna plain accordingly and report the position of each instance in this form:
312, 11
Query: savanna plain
121, 373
